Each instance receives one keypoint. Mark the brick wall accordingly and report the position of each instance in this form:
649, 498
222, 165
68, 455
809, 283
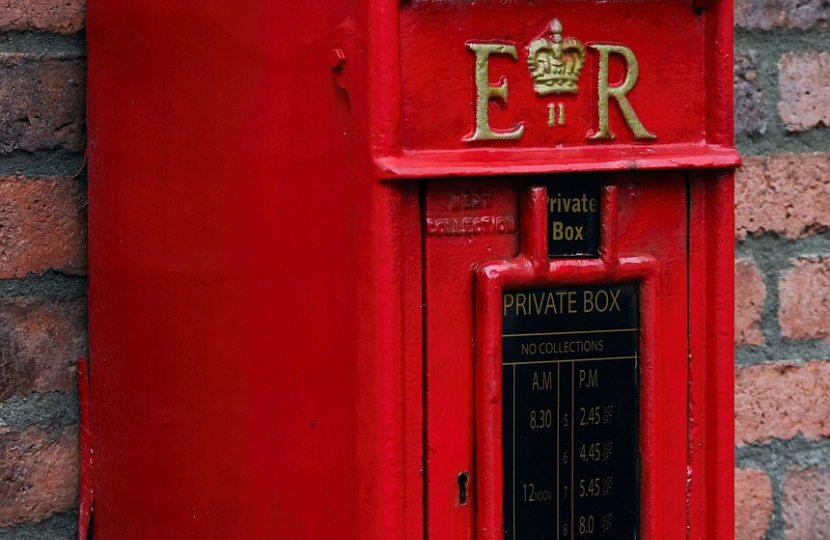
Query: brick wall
782, 106
782, 271
42, 264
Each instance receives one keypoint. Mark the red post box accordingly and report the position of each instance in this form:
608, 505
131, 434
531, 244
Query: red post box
419, 269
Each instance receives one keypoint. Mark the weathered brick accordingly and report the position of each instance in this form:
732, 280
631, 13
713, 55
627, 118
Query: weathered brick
62, 16
780, 400
804, 83
753, 504
38, 474
806, 504
768, 14
42, 226
750, 105
40, 341
43, 102
785, 194
804, 295
750, 294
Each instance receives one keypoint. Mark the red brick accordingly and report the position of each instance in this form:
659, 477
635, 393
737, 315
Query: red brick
38, 474
753, 504
40, 342
786, 194
806, 504
780, 400
62, 16
750, 294
43, 102
750, 103
42, 226
804, 84
768, 14
804, 295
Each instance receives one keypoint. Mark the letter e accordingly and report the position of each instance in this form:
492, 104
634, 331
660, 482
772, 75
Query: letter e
485, 92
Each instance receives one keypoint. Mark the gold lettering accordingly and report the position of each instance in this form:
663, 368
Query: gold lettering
485, 92
614, 305
551, 304
564, 301
602, 301
618, 93
537, 303
557, 231
572, 204
561, 295
563, 232
572, 302
552, 118
509, 301
520, 302
545, 382
588, 302
588, 378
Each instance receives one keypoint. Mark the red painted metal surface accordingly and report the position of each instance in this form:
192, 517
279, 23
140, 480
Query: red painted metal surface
711, 371
284, 340
683, 92
669, 54
84, 451
223, 313
449, 264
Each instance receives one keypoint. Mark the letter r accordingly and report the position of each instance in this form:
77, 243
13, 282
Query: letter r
617, 92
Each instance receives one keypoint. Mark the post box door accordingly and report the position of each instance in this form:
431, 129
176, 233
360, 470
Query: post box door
556, 386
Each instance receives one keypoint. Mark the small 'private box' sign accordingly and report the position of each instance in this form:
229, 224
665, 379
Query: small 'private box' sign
570, 402
573, 219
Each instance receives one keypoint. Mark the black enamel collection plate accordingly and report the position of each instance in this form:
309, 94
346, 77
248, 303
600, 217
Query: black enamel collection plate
570, 411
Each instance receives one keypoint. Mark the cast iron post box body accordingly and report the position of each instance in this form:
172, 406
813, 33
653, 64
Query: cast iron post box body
427, 269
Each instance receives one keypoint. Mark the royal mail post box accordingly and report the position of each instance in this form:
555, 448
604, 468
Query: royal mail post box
422, 269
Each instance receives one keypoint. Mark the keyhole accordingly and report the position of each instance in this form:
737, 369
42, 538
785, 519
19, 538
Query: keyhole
463, 478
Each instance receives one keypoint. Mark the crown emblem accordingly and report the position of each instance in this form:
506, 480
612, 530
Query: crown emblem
555, 63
